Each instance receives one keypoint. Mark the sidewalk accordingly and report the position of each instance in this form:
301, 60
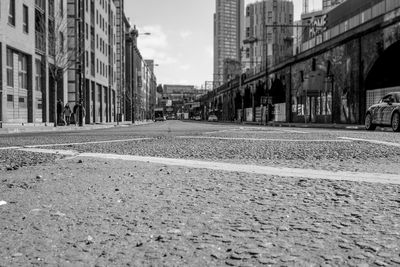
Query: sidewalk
309, 125
15, 128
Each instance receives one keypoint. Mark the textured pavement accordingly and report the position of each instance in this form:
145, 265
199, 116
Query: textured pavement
96, 212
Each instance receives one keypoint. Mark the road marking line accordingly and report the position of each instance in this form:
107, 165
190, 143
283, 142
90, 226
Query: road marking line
260, 139
89, 143
272, 129
255, 169
232, 167
9, 148
371, 141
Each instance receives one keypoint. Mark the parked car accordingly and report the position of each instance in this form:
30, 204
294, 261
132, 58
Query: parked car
212, 118
171, 117
160, 118
385, 113
197, 118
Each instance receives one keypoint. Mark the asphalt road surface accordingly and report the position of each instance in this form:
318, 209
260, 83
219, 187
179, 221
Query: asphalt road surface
200, 194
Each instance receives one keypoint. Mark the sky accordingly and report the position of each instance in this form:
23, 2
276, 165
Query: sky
181, 40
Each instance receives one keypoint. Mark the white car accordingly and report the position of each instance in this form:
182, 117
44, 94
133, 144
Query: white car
212, 118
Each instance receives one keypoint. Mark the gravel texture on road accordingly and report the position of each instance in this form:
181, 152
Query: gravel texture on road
140, 214
340, 156
12, 159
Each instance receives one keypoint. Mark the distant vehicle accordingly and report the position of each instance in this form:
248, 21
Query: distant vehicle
197, 118
385, 113
212, 118
171, 117
159, 115
160, 118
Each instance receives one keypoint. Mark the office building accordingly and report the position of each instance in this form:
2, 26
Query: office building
91, 77
30, 44
331, 3
262, 37
228, 34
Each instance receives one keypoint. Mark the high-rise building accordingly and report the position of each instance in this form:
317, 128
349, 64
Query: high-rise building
228, 34
331, 3
262, 37
91, 76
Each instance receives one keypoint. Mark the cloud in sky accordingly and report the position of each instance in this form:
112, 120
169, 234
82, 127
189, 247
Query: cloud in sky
185, 67
210, 51
155, 46
157, 39
185, 34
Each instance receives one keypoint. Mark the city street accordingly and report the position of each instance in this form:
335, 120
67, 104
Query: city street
191, 193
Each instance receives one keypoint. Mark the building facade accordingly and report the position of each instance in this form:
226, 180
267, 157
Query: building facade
120, 30
28, 54
260, 40
228, 34
141, 82
91, 76
69, 50
331, 3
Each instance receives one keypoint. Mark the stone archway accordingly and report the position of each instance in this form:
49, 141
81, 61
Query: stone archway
383, 73
383, 76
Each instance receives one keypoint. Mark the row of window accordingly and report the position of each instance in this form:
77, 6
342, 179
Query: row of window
25, 16
22, 69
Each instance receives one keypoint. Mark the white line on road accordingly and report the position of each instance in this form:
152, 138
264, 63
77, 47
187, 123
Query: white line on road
254, 169
262, 139
272, 129
9, 148
371, 141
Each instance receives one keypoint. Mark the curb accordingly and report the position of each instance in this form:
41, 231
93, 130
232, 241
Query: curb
48, 129
299, 125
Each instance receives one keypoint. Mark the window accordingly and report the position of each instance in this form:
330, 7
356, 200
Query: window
51, 8
62, 8
38, 75
25, 17
11, 13
23, 72
10, 98
10, 68
61, 43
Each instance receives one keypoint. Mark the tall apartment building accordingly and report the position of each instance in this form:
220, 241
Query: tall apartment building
141, 82
28, 51
331, 3
120, 31
91, 77
228, 34
262, 37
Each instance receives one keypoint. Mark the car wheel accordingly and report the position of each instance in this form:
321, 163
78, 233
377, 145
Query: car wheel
396, 122
369, 126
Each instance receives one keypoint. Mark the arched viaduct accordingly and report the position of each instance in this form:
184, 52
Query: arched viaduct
333, 81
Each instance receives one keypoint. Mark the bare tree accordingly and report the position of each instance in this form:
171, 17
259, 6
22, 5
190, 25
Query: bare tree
65, 46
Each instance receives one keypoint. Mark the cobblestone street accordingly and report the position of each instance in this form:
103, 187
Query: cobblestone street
167, 194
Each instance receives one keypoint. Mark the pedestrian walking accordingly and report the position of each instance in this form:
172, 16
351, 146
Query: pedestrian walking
60, 107
77, 109
67, 114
